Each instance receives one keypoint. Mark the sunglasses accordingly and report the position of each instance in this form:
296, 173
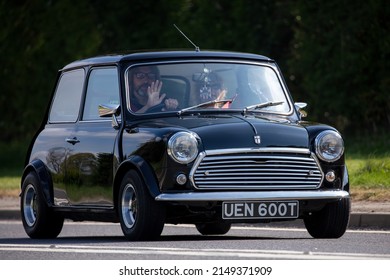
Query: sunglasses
142, 75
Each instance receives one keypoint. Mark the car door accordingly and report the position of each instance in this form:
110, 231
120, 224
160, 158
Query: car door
53, 144
91, 158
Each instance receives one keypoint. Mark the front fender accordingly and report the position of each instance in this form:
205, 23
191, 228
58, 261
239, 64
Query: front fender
44, 179
144, 170
345, 179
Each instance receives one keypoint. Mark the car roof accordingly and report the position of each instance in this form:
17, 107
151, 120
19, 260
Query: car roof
169, 54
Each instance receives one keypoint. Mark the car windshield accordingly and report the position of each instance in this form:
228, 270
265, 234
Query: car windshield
187, 87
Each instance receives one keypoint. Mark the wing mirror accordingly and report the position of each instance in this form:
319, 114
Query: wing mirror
299, 106
107, 110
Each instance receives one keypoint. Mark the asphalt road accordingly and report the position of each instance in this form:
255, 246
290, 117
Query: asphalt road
100, 241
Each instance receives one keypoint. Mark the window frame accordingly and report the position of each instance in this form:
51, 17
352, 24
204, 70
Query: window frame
87, 84
59, 97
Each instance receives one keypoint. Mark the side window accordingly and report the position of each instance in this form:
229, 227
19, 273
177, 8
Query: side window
103, 88
66, 103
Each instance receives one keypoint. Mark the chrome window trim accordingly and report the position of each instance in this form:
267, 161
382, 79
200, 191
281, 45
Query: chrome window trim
86, 85
81, 101
221, 61
96, 121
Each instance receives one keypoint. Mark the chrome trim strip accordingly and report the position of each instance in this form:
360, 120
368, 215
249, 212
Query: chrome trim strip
198, 160
252, 196
208, 155
257, 150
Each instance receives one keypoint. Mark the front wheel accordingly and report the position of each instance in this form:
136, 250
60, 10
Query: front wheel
331, 221
39, 220
141, 217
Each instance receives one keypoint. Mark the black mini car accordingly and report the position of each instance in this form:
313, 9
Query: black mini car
197, 137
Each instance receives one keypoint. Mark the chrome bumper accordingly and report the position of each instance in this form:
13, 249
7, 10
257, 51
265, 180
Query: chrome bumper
253, 195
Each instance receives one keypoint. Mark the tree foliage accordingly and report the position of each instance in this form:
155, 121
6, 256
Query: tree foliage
334, 54
340, 62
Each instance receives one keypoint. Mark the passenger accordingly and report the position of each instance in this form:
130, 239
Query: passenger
211, 89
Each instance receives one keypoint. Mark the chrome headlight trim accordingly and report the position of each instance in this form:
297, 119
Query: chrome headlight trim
329, 146
183, 147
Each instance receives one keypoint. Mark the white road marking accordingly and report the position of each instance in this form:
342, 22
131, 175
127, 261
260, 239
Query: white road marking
222, 253
251, 228
232, 253
259, 228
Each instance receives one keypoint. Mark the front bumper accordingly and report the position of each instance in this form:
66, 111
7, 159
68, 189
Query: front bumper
253, 196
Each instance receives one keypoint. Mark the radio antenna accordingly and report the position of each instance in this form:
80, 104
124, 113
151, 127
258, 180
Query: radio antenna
182, 33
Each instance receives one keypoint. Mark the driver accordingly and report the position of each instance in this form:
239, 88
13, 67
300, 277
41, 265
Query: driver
145, 88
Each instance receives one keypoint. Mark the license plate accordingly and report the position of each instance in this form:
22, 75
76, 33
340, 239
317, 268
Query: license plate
260, 210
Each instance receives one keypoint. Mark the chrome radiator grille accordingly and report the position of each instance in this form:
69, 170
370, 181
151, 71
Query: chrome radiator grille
270, 169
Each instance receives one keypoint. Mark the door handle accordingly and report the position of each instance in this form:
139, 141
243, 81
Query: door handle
72, 141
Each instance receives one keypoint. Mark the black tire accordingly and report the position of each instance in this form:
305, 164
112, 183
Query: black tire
39, 220
141, 217
331, 222
213, 228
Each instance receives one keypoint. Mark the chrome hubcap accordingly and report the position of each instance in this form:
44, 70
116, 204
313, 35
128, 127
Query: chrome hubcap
30, 205
129, 206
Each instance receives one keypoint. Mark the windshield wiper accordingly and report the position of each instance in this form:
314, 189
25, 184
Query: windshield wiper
205, 104
262, 105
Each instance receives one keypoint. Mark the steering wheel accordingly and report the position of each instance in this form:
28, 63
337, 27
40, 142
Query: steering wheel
156, 108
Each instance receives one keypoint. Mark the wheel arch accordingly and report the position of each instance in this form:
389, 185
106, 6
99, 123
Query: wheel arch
39, 168
144, 170
345, 184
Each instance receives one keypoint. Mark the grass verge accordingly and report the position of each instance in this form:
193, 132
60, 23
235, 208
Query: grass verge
369, 180
368, 164
9, 186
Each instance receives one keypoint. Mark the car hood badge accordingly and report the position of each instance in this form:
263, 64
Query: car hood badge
257, 139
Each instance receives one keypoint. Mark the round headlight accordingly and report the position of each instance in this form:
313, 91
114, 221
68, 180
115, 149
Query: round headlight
183, 147
329, 145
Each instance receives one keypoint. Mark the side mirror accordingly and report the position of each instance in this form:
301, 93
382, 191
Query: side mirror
299, 106
107, 110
